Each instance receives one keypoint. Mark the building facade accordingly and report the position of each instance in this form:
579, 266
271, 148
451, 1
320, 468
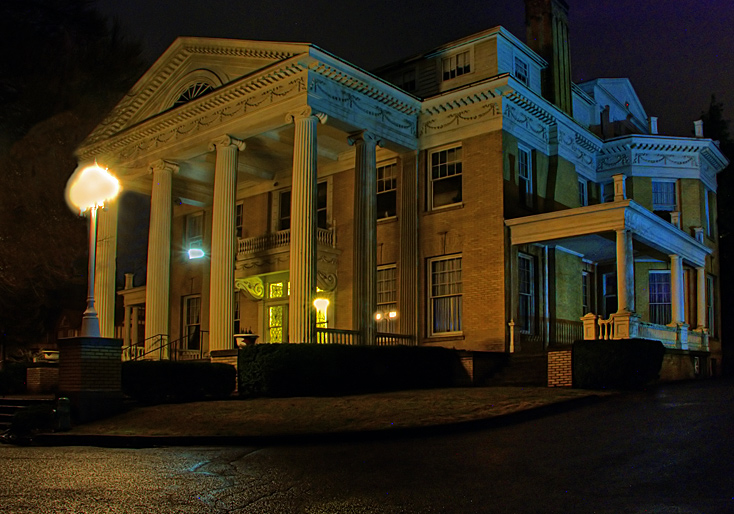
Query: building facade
472, 197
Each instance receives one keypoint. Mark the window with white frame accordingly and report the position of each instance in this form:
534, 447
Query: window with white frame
456, 65
239, 218
446, 290
521, 71
583, 193
445, 177
525, 175
387, 182
659, 297
609, 291
194, 230
585, 292
709, 213
191, 317
663, 196
711, 305
406, 80
607, 192
387, 298
526, 293
284, 207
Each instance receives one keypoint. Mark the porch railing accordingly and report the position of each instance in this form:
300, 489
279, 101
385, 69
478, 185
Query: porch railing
629, 325
551, 331
178, 349
324, 236
351, 337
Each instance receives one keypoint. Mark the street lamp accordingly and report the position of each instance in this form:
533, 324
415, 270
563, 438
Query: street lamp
87, 190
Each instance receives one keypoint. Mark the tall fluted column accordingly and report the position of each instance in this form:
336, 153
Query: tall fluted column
676, 289
105, 270
701, 297
364, 291
408, 270
221, 285
625, 272
157, 288
301, 314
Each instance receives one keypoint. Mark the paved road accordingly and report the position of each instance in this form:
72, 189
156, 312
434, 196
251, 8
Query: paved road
666, 451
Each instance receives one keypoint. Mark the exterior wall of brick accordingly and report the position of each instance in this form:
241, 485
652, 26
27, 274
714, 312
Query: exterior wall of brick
560, 367
42, 379
475, 230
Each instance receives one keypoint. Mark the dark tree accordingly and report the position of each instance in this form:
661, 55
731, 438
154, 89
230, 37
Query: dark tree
716, 127
64, 67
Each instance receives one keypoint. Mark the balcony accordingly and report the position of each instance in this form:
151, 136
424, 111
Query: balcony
280, 240
628, 325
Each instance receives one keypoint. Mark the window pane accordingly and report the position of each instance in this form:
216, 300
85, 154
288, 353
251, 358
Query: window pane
660, 297
446, 295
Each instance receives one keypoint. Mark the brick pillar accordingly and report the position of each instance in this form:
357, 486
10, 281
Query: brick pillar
560, 367
90, 376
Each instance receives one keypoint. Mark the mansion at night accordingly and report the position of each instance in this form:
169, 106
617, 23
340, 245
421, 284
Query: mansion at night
472, 197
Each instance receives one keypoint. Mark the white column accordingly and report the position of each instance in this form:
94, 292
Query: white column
157, 285
677, 290
625, 272
105, 270
364, 291
221, 286
701, 297
301, 313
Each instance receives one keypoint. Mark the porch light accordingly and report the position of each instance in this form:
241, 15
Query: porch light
392, 314
378, 316
196, 253
87, 190
321, 304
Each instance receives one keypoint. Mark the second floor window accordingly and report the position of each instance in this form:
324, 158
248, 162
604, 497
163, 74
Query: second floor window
445, 177
663, 196
456, 65
284, 208
525, 176
194, 231
583, 193
386, 191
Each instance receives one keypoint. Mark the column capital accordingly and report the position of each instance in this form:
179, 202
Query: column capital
364, 135
304, 112
162, 165
225, 141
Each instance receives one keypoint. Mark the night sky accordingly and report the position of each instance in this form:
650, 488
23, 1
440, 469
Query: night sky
675, 52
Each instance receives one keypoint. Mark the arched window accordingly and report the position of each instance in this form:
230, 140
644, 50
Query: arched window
193, 91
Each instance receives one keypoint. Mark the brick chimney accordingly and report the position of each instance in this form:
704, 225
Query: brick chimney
547, 35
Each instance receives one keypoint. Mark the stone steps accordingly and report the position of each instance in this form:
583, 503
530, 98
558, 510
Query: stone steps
9, 406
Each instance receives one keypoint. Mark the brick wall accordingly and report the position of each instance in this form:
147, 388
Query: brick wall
560, 367
89, 364
42, 379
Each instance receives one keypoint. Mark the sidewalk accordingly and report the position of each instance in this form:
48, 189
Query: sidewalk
299, 420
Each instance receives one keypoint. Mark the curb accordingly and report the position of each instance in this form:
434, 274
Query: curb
117, 441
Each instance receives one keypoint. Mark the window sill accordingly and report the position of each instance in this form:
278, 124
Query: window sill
452, 207
439, 339
389, 219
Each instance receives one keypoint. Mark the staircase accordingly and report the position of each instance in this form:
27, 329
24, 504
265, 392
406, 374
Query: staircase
529, 370
10, 405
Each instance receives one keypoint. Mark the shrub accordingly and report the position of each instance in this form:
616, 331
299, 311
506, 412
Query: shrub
172, 381
13, 378
332, 370
618, 364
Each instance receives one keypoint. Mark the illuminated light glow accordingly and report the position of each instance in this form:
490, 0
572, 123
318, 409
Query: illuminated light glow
91, 187
196, 253
378, 316
321, 304
392, 314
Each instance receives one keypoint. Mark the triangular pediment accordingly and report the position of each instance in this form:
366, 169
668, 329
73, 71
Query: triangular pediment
189, 67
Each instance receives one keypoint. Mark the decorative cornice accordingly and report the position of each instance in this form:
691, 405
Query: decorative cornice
358, 102
490, 109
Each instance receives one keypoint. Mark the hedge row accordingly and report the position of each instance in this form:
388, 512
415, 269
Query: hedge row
175, 381
281, 370
617, 363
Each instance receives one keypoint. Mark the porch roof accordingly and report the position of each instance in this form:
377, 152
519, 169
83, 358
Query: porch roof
645, 226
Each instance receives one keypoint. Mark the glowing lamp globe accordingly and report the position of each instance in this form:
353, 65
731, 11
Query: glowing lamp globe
91, 187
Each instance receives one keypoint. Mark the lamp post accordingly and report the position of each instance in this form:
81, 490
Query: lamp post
87, 190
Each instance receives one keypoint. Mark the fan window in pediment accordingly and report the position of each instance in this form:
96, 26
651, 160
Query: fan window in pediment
192, 92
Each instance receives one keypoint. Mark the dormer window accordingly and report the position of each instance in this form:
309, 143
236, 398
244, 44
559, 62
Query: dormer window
521, 71
456, 65
192, 92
